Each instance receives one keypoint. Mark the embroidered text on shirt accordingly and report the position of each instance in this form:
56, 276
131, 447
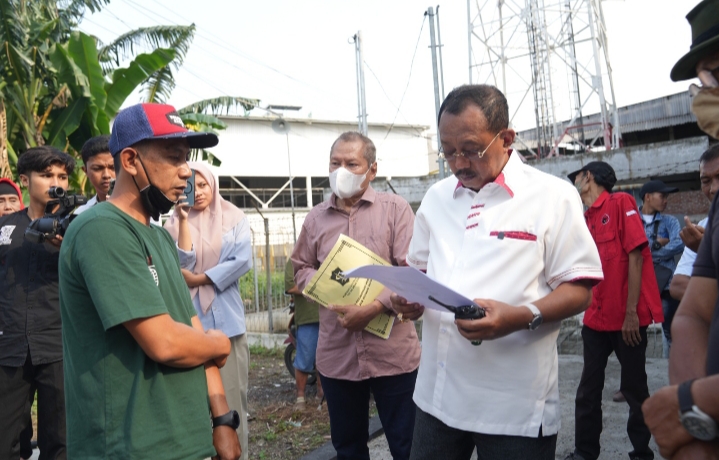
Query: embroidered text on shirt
5, 233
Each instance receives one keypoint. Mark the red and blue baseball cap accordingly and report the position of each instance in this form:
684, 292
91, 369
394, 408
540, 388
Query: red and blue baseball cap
154, 121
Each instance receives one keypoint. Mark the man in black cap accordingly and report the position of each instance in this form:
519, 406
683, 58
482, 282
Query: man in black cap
623, 305
662, 231
683, 417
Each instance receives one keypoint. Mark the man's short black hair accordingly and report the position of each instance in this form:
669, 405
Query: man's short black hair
38, 159
94, 146
488, 98
712, 153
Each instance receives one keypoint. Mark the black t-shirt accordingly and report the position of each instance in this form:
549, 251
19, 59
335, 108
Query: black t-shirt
29, 301
707, 266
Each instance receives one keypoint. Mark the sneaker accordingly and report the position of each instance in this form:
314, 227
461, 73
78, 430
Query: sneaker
300, 403
619, 397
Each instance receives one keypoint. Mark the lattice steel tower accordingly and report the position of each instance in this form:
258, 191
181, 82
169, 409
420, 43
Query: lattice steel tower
557, 50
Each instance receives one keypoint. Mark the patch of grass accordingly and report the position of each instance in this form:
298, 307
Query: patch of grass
258, 350
262, 455
270, 436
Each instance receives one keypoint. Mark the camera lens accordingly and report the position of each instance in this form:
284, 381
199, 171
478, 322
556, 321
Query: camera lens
56, 192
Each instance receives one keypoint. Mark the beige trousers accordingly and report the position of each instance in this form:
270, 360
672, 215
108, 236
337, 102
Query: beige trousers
234, 379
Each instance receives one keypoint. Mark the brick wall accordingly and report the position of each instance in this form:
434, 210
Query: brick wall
688, 203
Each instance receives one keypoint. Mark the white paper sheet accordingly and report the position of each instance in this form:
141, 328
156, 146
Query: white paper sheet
411, 284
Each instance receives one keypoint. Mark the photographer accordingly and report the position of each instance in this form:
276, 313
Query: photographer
30, 337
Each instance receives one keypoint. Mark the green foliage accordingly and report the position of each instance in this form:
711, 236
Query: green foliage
259, 350
247, 285
59, 86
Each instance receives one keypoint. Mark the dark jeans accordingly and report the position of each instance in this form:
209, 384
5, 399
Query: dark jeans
348, 406
434, 440
17, 385
588, 412
670, 306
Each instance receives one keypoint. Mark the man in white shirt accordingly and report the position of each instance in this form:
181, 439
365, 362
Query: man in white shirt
99, 168
692, 234
513, 239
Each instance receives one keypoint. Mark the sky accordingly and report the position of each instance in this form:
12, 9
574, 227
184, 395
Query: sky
300, 52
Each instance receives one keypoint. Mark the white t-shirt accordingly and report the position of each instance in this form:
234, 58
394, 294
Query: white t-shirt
686, 263
90, 203
647, 218
514, 241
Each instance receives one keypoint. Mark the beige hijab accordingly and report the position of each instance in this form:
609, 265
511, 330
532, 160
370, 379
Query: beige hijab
206, 229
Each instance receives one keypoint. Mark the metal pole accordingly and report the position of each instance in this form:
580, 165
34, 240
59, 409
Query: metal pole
359, 88
269, 274
439, 47
363, 115
254, 273
501, 41
470, 27
433, 46
292, 190
597, 80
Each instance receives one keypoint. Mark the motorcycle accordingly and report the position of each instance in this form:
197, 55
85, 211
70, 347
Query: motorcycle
291, 349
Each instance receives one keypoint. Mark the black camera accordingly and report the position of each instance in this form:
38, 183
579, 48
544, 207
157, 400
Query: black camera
57, 217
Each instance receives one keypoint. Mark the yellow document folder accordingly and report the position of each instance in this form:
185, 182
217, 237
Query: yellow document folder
330, 287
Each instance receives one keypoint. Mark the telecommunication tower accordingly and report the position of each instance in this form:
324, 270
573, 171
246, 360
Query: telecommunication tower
552, 54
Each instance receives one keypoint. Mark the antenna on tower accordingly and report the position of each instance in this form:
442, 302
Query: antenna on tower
524, 46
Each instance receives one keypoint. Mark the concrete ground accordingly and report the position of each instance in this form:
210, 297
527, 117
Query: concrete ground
614, 440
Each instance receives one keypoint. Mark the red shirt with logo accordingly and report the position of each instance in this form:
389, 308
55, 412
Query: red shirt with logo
617, 229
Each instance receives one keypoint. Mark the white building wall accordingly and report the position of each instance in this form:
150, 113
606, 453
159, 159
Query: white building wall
249, 147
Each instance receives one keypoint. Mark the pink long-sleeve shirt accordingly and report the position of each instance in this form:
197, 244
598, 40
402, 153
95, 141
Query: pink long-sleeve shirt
383, 223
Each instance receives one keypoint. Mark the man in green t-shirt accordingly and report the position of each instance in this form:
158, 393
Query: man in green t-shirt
307, 320
134, 348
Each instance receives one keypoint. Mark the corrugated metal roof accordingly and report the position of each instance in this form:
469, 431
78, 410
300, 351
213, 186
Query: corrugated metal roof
662, 112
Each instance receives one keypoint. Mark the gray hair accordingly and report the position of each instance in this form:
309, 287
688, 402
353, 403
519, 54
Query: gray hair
370, 152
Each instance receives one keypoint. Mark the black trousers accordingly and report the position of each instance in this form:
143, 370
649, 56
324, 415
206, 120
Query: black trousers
348, 406
588, 407
434, 440
18, 384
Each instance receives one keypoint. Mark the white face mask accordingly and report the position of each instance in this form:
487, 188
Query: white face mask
345, 184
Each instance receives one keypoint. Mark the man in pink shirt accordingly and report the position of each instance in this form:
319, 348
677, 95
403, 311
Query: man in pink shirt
351, 361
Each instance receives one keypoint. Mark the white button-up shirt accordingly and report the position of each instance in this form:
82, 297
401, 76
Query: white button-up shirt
686, 263
514, 241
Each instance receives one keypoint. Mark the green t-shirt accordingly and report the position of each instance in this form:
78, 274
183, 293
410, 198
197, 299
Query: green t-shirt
306, 312
120, 403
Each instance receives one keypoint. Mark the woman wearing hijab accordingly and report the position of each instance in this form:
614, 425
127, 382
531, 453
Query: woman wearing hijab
213, 240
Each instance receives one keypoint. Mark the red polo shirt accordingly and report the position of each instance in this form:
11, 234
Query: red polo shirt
617, 229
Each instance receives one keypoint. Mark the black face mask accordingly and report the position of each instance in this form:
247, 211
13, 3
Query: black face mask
153, 200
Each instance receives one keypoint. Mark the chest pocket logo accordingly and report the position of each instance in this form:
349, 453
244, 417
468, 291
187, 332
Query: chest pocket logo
5, 233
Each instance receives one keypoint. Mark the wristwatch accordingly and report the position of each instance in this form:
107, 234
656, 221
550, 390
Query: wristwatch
696, 422
231, 419
537, 320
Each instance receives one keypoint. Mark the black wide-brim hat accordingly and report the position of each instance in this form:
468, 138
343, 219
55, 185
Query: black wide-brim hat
704, 21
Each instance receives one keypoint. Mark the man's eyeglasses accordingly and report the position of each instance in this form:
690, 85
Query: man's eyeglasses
468, 154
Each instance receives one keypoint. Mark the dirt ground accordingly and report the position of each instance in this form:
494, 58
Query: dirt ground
277, 429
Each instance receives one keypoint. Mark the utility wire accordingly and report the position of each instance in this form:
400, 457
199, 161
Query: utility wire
238, 53
384, 91
224, 60
409, 78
